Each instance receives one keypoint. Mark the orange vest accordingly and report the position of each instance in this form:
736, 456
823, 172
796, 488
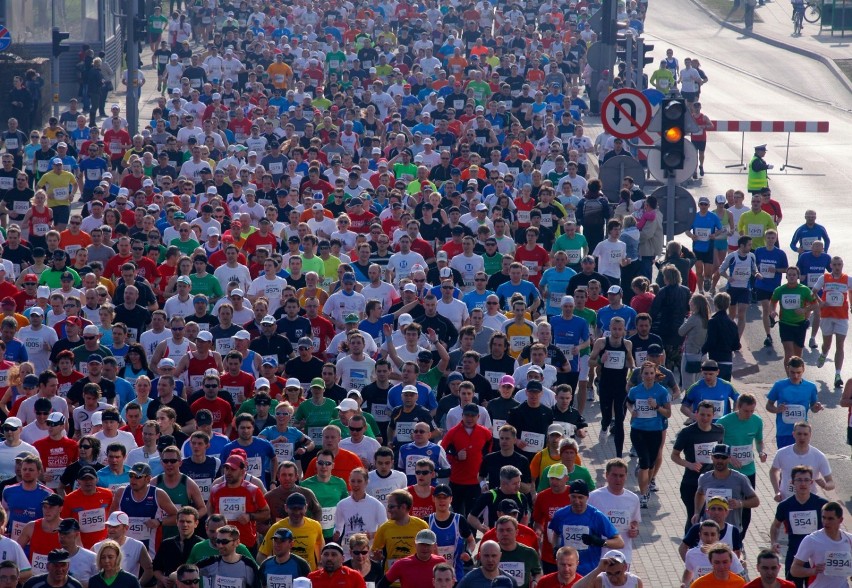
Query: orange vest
835, 293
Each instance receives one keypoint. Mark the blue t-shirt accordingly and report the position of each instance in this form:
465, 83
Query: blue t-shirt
705, 225
474, 299
798, 399
557, 287
606, 314
644, 417
567, 334
766, 260
108, 479
425, 396
16, 351
260, 455
376, 329
525, 287
812, 267
720, 395
24, 505
805, 237
569, 527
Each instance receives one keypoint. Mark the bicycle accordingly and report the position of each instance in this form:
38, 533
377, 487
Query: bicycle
813, 11
798, 15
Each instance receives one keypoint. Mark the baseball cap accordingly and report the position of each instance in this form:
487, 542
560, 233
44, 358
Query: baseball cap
425, 537
296, 499
614, 555
557, 470
442, 490
508, 506
470, 409
141, 469
318, 383
118, 518
580, 487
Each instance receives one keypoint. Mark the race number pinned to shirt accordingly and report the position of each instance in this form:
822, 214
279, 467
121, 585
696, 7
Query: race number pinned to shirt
279, 581
743, 454
328, 513
791, 301
793, 413
572, 535
803, 522
615, 360
704, 451
838, 564
516, 569
232, 507
534, 441
643, 410
92, 520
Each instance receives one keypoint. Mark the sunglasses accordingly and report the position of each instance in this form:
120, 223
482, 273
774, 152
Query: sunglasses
87, 446
191, 581
423, 472
223, 541
356, 430
325, 463
211, 386
286, 414
135, 476
358, 552
169, 461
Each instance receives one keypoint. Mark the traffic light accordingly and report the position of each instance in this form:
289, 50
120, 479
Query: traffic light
672, 133
58, 37
624, 49
644, 54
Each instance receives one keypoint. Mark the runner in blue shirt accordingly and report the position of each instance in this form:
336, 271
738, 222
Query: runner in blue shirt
554, 282
584, 528
809, 232
570, 335
711, 388
705, 228
791, 399
261, 455
772, 264
616, 308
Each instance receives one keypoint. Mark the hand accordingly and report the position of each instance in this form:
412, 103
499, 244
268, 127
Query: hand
695, 466
762, 456
778, 496
591, 539
462, 455
770, 166
817, 407
695, 518
152, 523
735, 462
244, 519
820, 568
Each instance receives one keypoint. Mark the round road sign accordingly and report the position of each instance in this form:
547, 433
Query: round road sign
685, 208
626, 113
690, 163
5, 38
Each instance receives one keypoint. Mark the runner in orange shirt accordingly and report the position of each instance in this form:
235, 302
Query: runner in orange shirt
88, 506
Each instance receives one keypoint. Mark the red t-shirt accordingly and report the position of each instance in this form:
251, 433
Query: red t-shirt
137, 433
343, 578
598, 303
476, 444
90, 512
417, 573
252, 500
361, 222
219, 258
642, 302
147, 269
536, 260
56, 455
112, 269
65, 382
526, 536
24, 301
422, 507
452, 249
256, 240
552, 581
756, 583
323, 330
547, 503
240, 387
221, 410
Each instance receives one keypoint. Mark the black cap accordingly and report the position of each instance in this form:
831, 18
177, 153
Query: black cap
470, 409
579, 487
442, 490
508, 506
39, 252
721, 449
203, 417
109, 415
425, 355
655, 349
87, 471
68, 525
53, 500
296, 499
58, 556
164, 441
535, 386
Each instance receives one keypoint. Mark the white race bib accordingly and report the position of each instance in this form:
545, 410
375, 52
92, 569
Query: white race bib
572, 536
703, 452
743, 453
793, 413
803, 522
279, 581
755, 231
615, 360
495, 427
574, 256
328, 517
643, 410
381, 412
237, 393
283, 451
702, 234
791, 301
255, 466
232, 506
92, 520
516, 569
534, 441
838, 564
834, 298
204, 485
39, 561
227, 582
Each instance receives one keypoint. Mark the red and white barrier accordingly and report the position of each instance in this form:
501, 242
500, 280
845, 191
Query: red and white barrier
769, 126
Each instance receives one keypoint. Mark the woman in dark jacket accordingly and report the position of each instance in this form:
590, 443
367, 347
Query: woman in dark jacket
723, 337
592, 214
94, 87
668, 311
109, 563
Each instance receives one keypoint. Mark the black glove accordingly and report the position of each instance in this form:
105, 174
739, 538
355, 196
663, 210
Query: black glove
595, 540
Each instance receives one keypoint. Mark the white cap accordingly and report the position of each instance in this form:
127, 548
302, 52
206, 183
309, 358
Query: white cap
166, 362
96, 419
261, 383
211, 231
347, 404
91, 330
147, 182
237, 292
118, 518
242, 335
405, 318
445, 272
293, 383
43, 292
205, 336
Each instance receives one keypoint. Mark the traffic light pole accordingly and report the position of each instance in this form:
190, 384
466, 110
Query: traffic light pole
54, 79
132, 95
671, 185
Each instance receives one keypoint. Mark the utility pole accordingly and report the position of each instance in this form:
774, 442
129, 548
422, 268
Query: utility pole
132, 96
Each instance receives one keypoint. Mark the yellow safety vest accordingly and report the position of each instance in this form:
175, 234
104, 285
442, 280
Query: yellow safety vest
756, 180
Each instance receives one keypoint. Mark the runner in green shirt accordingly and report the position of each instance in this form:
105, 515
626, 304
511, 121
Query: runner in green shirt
328, 489
204, 283
572, 243
156, 25
316, 412
744, 433
797, 304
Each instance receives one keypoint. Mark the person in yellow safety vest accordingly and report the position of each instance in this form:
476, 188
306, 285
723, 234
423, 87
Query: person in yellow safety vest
757, 178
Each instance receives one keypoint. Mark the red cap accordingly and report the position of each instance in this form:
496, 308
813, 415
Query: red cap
7, 301
240, 452
227, 239
31, 278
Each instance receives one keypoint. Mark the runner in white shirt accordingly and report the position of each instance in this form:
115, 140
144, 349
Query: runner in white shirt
359, 512
619, 504
384, 479
828, 551
270, 285
403, 262
355, 369
38, 340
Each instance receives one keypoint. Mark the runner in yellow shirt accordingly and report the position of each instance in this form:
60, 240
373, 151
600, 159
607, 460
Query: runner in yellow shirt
306, 532
60, 186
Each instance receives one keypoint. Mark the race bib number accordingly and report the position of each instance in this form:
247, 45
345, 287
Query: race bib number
725, 493
93, 174
524, 216
614, 360
20, 206
742, 453
6, 183
138, 529
315, 433
518, 342
703, 452
834, 298
791, 301
767, 270
555, 299
640, 357
803, 522
403, 432
381, 412
448, 552
410, 462
39, 561
494, 379
534, 441
232, 506
794, 413
223, 346
574, 256
838, 564
42, 165
702, 234
620, 519
11, 144
532, 266
92, 520
755, 231
813, 279
718, 408
41, 229
328, 517
237, 394
283, 451
495, 427
572, 535
255, 466
516, 569
227, 582
204, 485
808, 242
643, 410
279, 581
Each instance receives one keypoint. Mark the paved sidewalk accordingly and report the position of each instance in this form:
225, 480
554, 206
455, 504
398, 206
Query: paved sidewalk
776, 29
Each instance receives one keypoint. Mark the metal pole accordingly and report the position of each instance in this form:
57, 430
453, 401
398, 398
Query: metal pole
628, 56
54, 79
671, 185
132, 96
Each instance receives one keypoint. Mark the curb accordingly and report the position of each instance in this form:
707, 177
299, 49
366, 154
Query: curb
827, 62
